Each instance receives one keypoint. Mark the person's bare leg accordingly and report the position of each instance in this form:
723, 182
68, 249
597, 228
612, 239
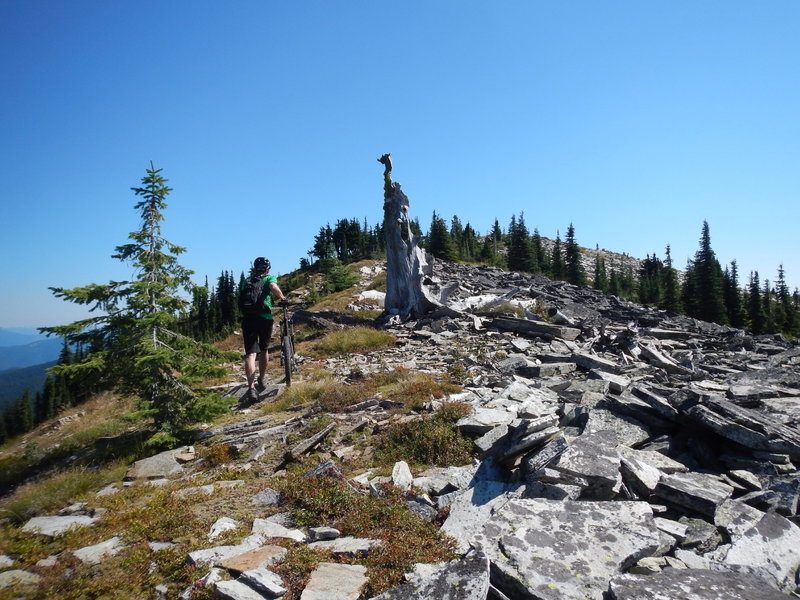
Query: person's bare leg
250, 369
262, 366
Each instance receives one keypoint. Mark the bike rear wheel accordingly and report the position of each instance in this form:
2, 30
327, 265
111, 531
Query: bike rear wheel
288, 358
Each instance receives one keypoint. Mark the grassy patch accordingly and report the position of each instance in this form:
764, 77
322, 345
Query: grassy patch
59, 490
354, 339
407, 538
431, 440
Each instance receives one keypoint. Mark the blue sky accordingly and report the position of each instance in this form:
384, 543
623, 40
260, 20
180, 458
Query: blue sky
634, 121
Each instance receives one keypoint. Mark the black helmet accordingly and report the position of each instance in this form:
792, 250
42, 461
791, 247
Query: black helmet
261, 265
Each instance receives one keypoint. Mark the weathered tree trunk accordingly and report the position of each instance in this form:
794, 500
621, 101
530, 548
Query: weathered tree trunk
407, 265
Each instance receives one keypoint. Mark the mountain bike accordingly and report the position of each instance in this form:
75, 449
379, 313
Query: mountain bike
287, 346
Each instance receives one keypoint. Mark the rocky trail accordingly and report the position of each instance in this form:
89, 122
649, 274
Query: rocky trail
624, 453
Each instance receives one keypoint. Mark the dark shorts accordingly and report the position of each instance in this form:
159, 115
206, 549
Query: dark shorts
256, 332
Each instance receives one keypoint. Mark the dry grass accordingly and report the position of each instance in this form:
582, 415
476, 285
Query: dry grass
354, 339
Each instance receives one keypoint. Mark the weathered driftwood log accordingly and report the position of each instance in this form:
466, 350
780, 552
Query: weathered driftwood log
407, 265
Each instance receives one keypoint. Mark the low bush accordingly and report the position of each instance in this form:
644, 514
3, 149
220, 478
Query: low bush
354, 339
431, 440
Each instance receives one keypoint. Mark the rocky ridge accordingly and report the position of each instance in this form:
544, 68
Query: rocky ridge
624, 452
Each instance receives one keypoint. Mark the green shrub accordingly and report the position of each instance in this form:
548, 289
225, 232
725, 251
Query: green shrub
432, 440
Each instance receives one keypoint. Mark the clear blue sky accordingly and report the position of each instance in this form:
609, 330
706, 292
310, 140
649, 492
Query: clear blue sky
633, 120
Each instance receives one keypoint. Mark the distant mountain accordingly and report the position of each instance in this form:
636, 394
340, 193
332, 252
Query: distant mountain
35, 353
19, 336
14, 382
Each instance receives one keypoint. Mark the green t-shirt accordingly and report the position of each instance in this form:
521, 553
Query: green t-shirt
268, 279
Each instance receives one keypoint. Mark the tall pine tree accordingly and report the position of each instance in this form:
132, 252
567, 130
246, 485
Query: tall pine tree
135, 343
703, 286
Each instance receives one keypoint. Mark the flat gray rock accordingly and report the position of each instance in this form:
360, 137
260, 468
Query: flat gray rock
466, 579
264, 581
692, 584
550, 550
17, 578
629, 431
92, 555
696, 491
593, 457
348, 545
210, 556
236, 590
472, 508
332, 581
163, 465
484, 419
56, 525
769, 549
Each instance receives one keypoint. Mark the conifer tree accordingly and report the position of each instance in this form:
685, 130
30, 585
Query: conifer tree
519, 248
557, 268
540, 259
755, 308
703, 291
439, 242
600, 280
650, 280
671, 299
574, 271
733, 296
135, 344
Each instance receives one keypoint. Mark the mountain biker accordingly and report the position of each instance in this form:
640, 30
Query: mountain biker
257, 327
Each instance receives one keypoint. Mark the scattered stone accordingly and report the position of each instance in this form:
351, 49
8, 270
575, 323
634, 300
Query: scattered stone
401, 476
593, 457
555, 550
236, 590
692, 584
222, 525
95, 554
269, 529
219, 553
18, 578
267, 497
264, 581
698, 492
6, 561
163, 465
259, 558
466, 579
159, 546
332, 581
349, 546
317, 534
56, 525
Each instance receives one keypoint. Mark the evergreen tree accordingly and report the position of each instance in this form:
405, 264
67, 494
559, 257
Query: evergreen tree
574, 271
557, 267
703, 290
755, 307
519, 247
733, 296
600, 280
767, 304
540, 259
134, 344
671, 299
439, 242
651, 278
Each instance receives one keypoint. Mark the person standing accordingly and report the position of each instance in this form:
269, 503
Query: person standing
256, 302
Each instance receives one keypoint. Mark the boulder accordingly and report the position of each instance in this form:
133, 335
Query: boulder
465, 579
331, 581
550, 550
593, 457
698, 492
56, 525
691, 584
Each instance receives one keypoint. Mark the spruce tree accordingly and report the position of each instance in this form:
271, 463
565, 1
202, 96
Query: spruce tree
703, 290
671, 299
755, 307
540, 258
574, 271
439, 242
557, 268
519, 247
135, 344
733, 296
600, 281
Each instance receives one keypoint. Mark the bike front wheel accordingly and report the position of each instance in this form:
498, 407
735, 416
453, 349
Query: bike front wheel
288, 358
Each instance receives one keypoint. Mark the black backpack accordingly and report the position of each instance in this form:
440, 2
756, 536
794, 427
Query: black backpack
253, 295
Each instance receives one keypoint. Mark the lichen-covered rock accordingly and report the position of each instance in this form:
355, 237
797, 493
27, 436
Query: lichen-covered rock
550, 550
692, 584
466, 579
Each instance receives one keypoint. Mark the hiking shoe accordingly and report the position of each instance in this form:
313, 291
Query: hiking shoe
260, 385
248, 395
